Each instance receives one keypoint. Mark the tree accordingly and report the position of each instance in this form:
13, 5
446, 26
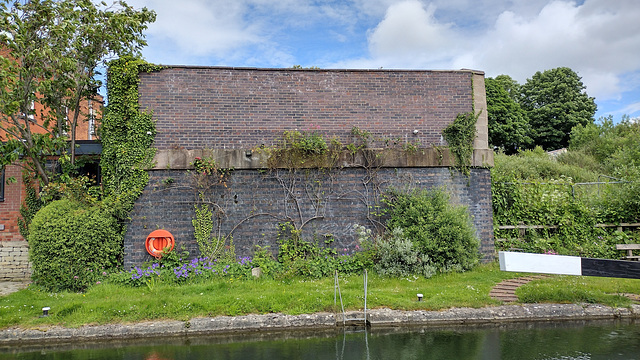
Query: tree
509, 127
555, 102
54, 51
513, 88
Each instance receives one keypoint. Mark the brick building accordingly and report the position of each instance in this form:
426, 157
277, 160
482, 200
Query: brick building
13, 248
230, 113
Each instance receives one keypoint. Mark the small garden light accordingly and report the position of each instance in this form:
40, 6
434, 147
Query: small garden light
45, 311
420, 296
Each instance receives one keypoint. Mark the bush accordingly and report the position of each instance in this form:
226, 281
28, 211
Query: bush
72, 245
436, 228
398, 257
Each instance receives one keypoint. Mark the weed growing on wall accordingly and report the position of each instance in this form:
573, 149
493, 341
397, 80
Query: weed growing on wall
302, 149
28, 209
460, 136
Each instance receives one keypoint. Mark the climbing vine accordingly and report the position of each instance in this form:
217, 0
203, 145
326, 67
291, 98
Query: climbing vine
126, 134
460, 136
206, 175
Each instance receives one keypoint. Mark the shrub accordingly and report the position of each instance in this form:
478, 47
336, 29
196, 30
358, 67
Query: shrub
398, 256
72, 245
437, 229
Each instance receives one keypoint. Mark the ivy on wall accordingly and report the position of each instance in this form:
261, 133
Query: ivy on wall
460, 136
126, 134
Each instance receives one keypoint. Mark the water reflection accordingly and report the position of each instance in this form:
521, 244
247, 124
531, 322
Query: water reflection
525, 341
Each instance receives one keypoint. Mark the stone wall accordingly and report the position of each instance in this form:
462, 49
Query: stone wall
328, 203
14, 261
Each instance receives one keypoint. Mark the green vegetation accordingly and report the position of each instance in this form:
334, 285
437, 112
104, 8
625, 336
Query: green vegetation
597, 181
55, 51
509, 128
206, 175
126, 134
234, 295
541, 112
78, 233
460, 136
578, 289
72, 245
441, 233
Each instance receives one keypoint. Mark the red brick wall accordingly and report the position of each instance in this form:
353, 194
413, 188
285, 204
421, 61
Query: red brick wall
212, 107
10, 207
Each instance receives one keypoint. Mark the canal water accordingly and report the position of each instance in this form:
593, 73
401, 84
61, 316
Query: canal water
521, 341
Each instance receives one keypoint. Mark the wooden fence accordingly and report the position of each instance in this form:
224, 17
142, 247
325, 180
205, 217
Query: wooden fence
522, 228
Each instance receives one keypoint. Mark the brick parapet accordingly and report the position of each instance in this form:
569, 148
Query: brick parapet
222, 108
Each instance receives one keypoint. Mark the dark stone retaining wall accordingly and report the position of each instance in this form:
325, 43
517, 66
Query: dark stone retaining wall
255, 201
9, 338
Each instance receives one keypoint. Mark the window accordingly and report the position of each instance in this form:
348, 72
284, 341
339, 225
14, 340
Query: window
2, 185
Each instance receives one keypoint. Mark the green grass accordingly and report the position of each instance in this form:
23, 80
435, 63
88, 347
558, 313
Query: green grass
580, 289
108, 303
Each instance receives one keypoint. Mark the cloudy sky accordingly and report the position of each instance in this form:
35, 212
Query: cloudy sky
599, 39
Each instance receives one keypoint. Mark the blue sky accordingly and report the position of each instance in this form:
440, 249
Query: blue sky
599, 39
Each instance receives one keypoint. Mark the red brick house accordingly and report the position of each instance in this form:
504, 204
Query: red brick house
13, 248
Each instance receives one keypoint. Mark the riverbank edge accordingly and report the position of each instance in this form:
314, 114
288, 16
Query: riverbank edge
275, 322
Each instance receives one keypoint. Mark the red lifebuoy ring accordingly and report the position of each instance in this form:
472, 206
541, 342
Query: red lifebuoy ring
157, 241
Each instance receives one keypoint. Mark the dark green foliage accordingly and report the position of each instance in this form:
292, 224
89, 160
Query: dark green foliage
438, 229
509, 128
305, 258
28, 209
555, 102
126, 134
511, 87
460, 136
72, 244
532, 188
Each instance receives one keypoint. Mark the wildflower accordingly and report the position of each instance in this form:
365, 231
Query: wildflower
75, 277
98, 283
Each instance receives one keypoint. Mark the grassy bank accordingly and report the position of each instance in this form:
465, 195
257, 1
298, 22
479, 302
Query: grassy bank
109, 303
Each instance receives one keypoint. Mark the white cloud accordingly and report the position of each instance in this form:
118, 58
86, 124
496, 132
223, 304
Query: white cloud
599, 39
408, 29
631, 109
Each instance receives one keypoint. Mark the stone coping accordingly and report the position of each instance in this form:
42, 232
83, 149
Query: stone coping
317, 322
238, 159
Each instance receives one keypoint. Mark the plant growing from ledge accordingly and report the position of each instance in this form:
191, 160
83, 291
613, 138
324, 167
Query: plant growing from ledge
460, 136
302, 149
